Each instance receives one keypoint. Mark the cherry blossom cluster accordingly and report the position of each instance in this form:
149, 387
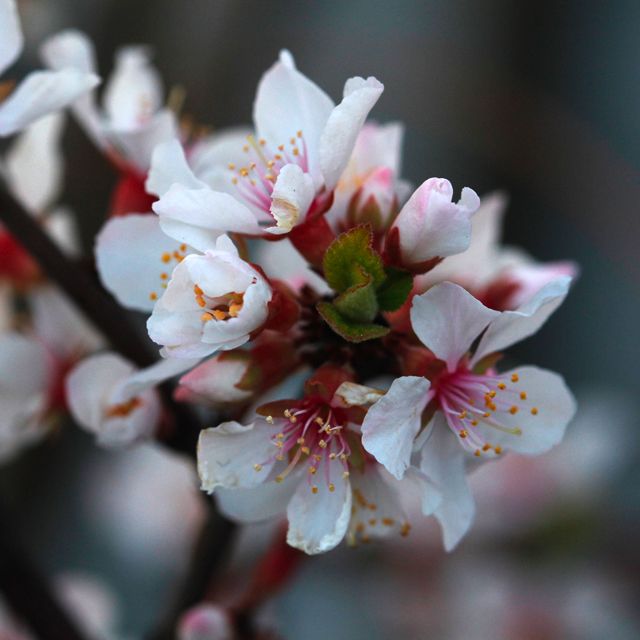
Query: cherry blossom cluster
346, 328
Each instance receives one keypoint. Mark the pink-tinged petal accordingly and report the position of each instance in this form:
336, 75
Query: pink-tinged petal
288, 102
377, 145
12, 41
528, 278
447, 319
135, 259
473, 266
215, 381
343, 126
443, 462
133, 93
392, 423
262, 502
199, 216
34, 164
42, 92
291, 198
430, 225
318, 521
73, 49
168, 166
510, 327
235, 456
137, 145
538, 418
377, 510
205, 622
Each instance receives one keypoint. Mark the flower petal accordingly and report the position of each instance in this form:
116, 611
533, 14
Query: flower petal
42, 92
288, 102
341, 131
90, 384
137, 145
12, 41
319, 521
431, 225
291, 198
447, 319
510, 327
392, 423
60, 326
262, 502
228, 455
168, 166
154, 375
132, 255
73, 49
199, 216
34, 164
542, 416
443, 462
134, 90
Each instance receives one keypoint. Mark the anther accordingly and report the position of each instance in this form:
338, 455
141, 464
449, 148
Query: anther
513, 410
332, 487
514, 377
534, 411
257, 467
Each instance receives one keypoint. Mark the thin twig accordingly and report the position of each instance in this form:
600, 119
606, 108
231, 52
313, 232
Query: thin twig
211, 551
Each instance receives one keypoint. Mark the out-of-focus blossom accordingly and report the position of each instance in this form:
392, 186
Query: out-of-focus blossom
500, 277
212, 302
524, 410
205, 622
41, 92
305, 458
120, 495
26, 375
302, 145
132, 119
118, 404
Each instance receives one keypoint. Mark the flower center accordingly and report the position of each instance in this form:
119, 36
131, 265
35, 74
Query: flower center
255, 180
473, 403
123, 409
219, 308
312, 435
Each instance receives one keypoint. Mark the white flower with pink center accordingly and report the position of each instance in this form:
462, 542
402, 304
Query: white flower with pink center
305, 458
278, 176
473, 412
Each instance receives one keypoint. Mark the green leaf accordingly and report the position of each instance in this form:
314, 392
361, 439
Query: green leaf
349, 329
395, 290
359, 302
350, 256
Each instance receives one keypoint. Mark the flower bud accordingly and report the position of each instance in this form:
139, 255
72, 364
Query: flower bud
430, 226
205, 622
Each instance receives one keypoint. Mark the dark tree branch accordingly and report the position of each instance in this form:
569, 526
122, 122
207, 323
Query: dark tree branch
27, 592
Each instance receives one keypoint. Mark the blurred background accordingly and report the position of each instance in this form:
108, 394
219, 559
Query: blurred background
540, 100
